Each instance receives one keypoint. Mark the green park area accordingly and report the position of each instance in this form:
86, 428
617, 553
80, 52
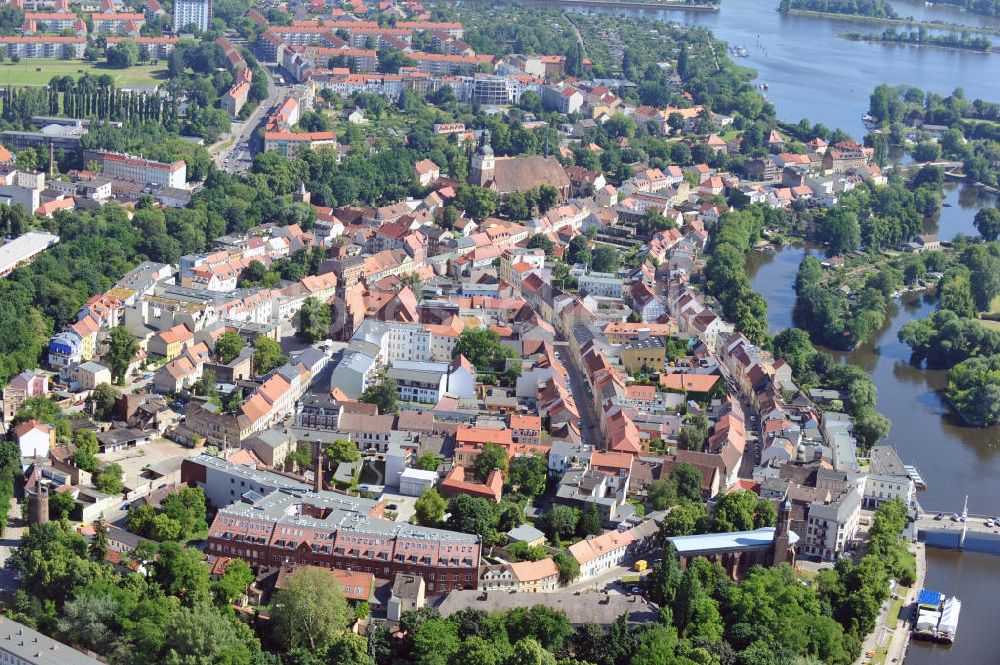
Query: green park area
41, 71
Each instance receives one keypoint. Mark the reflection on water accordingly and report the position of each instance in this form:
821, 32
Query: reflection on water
973, 578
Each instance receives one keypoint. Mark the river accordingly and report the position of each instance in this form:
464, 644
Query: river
811, 73
954, 460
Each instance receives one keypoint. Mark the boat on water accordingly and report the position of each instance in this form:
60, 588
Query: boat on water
915, 476
739, 51
937, 617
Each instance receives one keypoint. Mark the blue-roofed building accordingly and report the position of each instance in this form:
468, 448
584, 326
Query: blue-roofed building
930, 599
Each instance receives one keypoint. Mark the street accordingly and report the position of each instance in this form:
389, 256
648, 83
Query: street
236, 156
581, 395
8, 543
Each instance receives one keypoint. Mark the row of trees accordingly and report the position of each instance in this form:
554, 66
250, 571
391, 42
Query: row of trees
734, 235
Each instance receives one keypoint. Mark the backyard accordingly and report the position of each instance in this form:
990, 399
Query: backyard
40, 72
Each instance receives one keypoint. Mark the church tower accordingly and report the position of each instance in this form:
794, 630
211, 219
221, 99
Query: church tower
483, 162
781, 549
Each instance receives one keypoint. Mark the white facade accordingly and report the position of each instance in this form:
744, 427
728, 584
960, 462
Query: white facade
413, 482
34, 443
198, 12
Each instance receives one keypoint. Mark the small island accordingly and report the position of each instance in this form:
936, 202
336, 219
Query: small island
921, 37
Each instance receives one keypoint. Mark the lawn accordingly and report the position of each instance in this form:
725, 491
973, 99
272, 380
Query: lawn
41, 71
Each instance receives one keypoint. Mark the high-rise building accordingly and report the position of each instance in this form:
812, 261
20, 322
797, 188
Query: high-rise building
197, 12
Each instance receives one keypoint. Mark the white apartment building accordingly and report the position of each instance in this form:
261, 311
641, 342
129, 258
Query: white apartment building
197, 12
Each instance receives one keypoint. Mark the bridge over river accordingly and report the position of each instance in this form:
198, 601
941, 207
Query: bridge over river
958, 530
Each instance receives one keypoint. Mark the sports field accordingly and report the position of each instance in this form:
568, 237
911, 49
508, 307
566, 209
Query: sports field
39, 72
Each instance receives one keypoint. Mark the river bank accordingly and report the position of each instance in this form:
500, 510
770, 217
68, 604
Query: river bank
908, 23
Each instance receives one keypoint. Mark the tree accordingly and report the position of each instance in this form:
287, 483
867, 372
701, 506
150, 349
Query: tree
605, 259
987, 222
428, 461
492, 456
102, 401
528, 474
482, 348
435, 642
661, 493
181, 572
267, 355
110, 479
61, 505
228, 346
201, 635
529, 652
86, 621
569, 567
683, 520
540, 241
430, 507
687, 479
87, 448
662, 582
310, 611
122, 348
470, 514
742, 511
314, 320
342, 450
99, 545
234, 582
578, 251
589, 523
349, 649
382, 394
956, 295
559, 522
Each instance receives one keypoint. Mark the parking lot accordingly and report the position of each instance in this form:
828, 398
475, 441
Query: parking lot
134, 460
405, 505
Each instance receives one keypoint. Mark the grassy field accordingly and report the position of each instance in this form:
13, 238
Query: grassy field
40, 72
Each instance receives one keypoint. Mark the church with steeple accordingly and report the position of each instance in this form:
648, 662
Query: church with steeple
506, 175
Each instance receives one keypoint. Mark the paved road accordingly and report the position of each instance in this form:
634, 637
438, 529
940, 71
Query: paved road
236, 157
8, 543
611, 575
584, 402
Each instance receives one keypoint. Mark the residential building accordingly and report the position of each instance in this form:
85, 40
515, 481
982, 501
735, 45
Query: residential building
597, 554
192, 12
887, 479
34, 439
540, 576
26, 385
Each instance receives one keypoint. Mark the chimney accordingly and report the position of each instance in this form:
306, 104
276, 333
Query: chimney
318, 474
